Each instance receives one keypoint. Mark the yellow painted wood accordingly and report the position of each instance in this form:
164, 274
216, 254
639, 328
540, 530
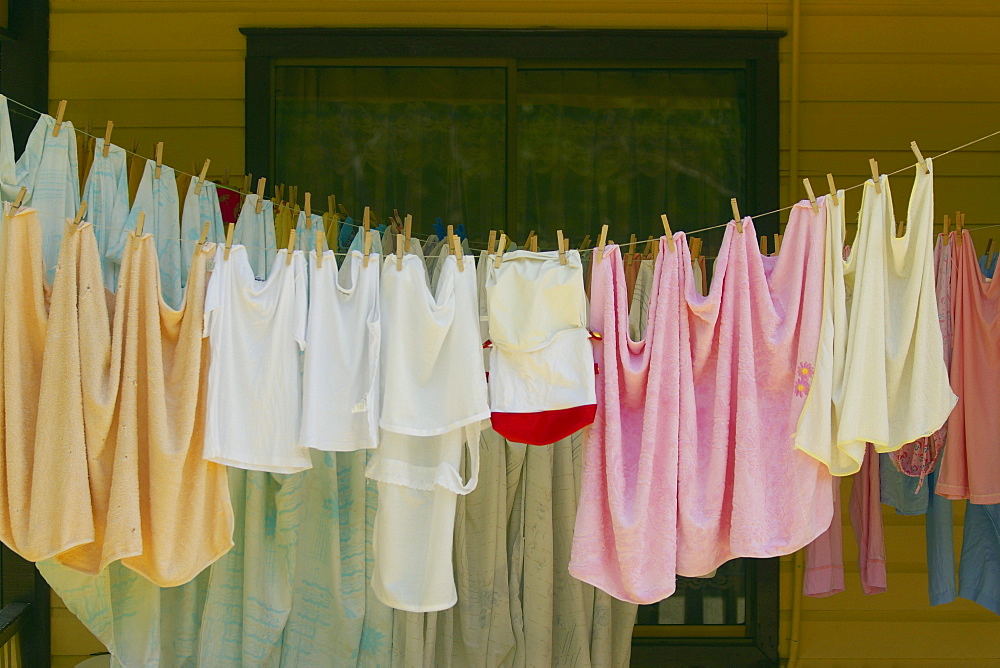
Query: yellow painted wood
70, 636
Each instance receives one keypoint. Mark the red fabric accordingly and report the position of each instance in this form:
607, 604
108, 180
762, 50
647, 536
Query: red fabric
544, 427
229, 205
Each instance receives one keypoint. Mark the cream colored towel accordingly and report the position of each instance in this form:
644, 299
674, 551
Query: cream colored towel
186, 514
44, 475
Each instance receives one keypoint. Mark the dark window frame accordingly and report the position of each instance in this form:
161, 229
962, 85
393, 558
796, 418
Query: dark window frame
757, 49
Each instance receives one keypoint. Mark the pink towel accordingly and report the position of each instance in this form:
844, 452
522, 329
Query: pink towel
625, 536
744, 490
824, 573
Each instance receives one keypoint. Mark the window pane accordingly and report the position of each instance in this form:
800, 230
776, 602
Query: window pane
619, 147
430, 141
720, 599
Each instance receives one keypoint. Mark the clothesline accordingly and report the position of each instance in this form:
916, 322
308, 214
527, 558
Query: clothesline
623, 245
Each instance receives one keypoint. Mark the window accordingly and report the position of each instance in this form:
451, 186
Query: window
541, 130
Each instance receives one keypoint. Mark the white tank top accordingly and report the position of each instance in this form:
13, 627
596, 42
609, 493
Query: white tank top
340, 382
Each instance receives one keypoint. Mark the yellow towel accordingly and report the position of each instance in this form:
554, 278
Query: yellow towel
43, 464
187, 518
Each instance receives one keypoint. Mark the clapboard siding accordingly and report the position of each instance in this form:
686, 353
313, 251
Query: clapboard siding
872, 77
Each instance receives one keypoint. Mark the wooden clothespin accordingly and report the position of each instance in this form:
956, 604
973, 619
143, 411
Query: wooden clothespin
562, 251
320, 242
491, 243
459, 256
500, 249
291, 247
107, 138
833, 190
201, 177
534, 244
647, 250
449, 236
763, 245
586, 240
668, 232
875, 178
139, 223
601, 240
21, 194
309, 211
343, 210
159, 159
777, 243
203, 237
60, 112
919, 156
736, 215
407, 227
247, 180
900, 228
811, 194
260, 193
279, 191
79, 212
366, 220
947, 221
959, 226
293, 194
632, 249
527, 242
565, 247
367, 247
696, 244
400, 251
989, 247
229, 240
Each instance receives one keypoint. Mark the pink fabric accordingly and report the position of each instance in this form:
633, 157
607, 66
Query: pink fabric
970, 465
744, 490
625, 537
866, 518
824, 574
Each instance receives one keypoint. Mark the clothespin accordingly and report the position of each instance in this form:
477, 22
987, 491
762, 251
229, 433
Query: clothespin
736, 215
500, 249
309, 211
763, 245
586, 240
79, 212
947, 220
812, 196
60, 112
875, 178
696, 244
449, 236
107, 138
777, 243
291, 248
229, 240
490, 244
647, 250
667, 231
562, 252
400, 250
279, 191
565, 245
343, 210
601, 240
159, 159
527, 242
247, 180
21, 194
203, 237
139, 224
459, 256
833, 190
320, 241
919, 156
293, 194
989, 247
632, 249
367, 221
407, 227
900, 228
260, 193
201, 177
959, 225
367, 247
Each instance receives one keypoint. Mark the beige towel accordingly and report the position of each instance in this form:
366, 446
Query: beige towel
187, 518
44, 473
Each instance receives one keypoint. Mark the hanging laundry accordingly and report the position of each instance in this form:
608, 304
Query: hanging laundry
340, 384
8, 175
199, 208
157, 199
48, 169
106, 194
306, 233
639, 306
255, 231
256, 329
541, 361
866, 518
626, 525
824, 559
970, 465
988, 264
753, 346
43, 461
229, 203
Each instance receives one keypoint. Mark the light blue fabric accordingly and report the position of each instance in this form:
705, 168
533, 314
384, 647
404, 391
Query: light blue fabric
8, 173
198, 208
988, 264
256, 232
900, 490
941, 586
979, 575
48, 169
106, 194
357, 244
306, 236
347, 231
157, 198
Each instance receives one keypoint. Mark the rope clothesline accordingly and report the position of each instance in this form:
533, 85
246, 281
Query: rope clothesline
623, 245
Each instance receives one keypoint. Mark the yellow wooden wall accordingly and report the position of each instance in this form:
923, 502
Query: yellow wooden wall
871, 77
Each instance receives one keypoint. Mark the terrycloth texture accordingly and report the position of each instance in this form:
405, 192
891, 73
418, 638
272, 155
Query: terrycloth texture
106, 194
48, 168
866, 518
44, 471
743, 489
162, 405
157, 198
256, 232
970, 465
824, 570
8, 173
625, 540
199, 208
